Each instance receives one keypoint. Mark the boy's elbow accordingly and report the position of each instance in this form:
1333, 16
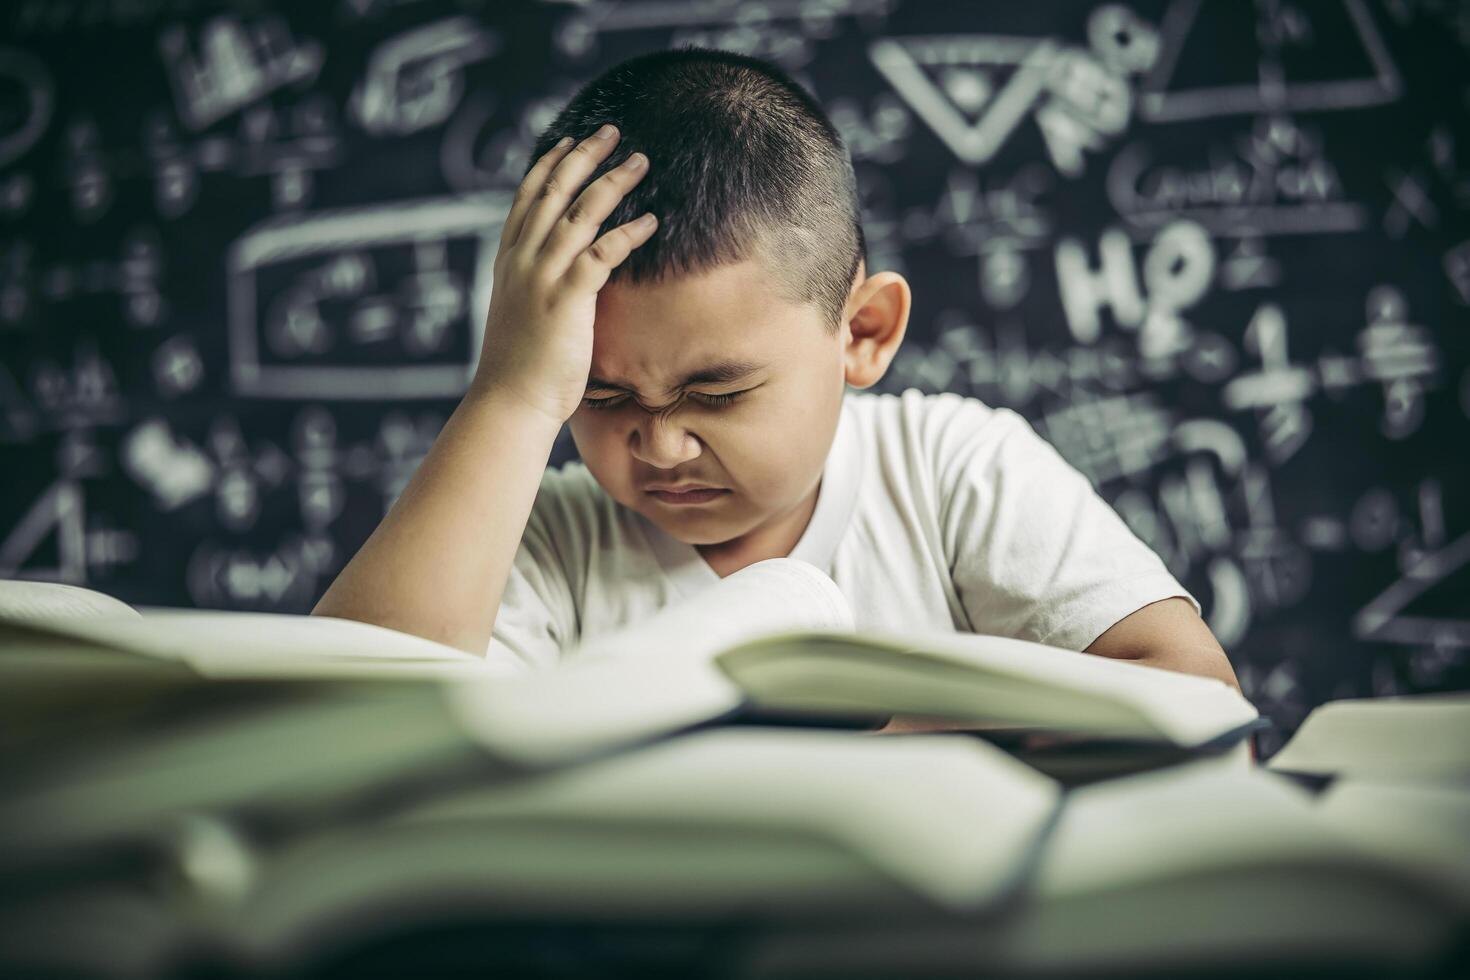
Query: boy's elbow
1205, 663
1168, 634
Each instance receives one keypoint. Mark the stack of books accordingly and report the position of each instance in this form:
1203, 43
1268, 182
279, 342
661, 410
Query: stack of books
702, 793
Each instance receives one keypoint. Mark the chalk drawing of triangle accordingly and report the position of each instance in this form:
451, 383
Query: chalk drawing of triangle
58, 511
1386, 618
973, 90
1193, 34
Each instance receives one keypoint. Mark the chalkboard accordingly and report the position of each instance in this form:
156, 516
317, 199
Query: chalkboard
1217, 252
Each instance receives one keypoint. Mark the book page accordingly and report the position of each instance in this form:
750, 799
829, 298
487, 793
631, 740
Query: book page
1199, 865
1415, 735
1423, 825
56, 600
1014, 681
1188, 819
953, 818
293, 757
654, 676
238, 644
585, 709
774, 595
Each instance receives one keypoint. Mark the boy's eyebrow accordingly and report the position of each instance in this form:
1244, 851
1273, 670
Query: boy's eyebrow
721, 372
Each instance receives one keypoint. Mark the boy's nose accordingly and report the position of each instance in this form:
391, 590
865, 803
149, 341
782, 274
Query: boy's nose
661, 441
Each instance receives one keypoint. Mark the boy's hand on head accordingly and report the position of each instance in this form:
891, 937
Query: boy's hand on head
548, 270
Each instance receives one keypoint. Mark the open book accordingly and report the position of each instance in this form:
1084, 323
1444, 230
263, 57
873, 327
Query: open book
116, 721
723, 655
79, 666
1194, 870
41, 619
773, 639
810, 853
207, 711
732, 826
302, 817
1415, 736
48, 618
718, 829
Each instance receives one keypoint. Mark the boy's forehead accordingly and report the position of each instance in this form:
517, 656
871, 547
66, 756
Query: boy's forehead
651, 343
735, 292
658, 333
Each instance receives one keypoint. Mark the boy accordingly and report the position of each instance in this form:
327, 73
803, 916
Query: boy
710, 411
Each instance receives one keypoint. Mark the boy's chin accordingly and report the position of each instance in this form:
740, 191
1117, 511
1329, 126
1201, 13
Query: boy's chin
694, 532
689, 526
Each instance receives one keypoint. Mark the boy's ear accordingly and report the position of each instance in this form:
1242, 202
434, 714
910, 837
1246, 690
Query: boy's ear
876, 316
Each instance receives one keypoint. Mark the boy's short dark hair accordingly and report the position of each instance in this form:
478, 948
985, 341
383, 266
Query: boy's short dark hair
743, 163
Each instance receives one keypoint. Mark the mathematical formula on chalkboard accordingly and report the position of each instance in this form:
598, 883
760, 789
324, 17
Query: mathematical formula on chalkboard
1218, 253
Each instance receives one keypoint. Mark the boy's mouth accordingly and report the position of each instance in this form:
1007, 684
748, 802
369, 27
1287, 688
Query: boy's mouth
680, 487
694, 495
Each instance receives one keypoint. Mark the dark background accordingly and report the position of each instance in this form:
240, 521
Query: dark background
1217, 252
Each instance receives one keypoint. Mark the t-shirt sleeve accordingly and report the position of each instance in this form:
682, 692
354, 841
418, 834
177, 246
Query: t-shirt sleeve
1034, 551
537, 619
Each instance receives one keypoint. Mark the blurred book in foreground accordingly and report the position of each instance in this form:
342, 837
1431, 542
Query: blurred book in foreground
182, 801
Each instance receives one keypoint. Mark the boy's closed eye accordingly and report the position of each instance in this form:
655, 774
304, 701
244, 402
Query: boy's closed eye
713, 401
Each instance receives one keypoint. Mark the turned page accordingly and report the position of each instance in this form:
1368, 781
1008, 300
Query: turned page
219, 643
31, 601
1407, 736
656, 675
774, 595
987, 679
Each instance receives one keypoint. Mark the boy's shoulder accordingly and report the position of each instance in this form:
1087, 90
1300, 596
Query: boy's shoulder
940, 424
916, 403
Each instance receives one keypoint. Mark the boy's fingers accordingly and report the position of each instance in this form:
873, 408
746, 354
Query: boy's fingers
590, 270
570, 173
578, 226
530, 188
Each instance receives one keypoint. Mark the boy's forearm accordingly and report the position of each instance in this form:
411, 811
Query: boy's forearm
437, 564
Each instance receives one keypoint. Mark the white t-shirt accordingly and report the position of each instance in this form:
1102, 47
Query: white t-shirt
934, 511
